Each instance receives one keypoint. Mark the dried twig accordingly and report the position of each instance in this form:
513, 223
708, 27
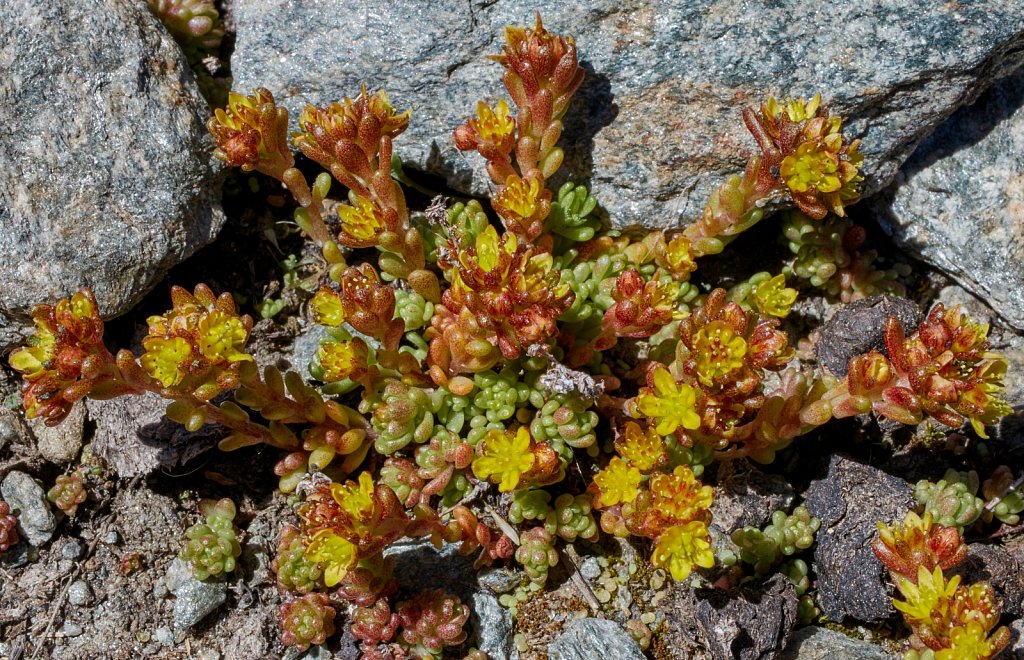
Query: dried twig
573, 560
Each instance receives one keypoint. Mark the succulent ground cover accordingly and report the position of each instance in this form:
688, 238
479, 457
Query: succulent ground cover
511, 378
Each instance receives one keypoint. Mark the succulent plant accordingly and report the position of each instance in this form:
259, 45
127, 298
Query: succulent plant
212, 547
307, 621
8, 527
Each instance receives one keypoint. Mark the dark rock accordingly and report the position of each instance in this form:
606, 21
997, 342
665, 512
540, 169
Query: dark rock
740, 624
419, 566
656, 125
859, 327
106, 175
744, 495
36, 522
849, 501
958, 202
588, 638
134, 436
999, 566
814, 643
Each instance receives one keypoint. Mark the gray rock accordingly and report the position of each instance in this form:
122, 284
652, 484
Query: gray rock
314, 653
71, 630
747, 496
112, 537
656, 124
60, 444
499, 579
849, 501
106, 178
419, 566
164, 636
590, 569
814, 643
79, 593
134, 436
1017, 645
8, 428
859, 327
739, 624
958, 202
588, 638
36, 522
178, 573
195, 600
72, 549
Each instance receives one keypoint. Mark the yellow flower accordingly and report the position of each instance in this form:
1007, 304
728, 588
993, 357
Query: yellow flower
682, 547
326, 308
506, 456
361, 223
773, 298
679, 257
338, 358
490, 248
670, 403
968, 641
166, 359
797, 109
679, 497
520, 198
251, 133
929, 600
813, 166
718, 351
355, 499
33, 359
334, 553
642, 448
80, 306
618, 483
221, 336
495, 125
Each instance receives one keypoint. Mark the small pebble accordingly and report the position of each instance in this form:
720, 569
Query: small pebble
590, 568
79, 593
28, 498
8, 431
164, 636
71, 630
72, 549
208, 654
112, 537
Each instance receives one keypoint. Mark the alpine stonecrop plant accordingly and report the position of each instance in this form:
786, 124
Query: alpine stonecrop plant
949, 620
514, 379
